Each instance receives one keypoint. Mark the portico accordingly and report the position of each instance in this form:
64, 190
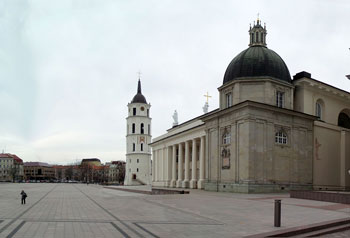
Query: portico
179, 161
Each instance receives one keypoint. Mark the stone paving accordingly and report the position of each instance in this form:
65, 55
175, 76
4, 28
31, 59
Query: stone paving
80, 210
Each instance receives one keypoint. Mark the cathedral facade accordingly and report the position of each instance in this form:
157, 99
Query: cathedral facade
270, 132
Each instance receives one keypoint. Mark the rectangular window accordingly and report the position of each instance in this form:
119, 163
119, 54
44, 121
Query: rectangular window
137, 160
228, 100
149, 129
134, 111
279, 99
142, 147
133, 146
133, 128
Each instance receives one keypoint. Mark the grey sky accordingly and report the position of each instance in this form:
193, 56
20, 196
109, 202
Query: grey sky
68, 68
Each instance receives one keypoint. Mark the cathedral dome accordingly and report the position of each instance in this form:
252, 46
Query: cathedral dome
257, 60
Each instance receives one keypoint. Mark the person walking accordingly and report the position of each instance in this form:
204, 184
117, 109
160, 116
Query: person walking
24, 196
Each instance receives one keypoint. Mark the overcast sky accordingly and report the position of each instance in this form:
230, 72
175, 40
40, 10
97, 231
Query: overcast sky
68, 68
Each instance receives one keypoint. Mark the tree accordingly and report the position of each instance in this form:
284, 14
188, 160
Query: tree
14, 172
120, 172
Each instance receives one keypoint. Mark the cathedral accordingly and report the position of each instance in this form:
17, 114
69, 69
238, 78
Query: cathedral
270, 133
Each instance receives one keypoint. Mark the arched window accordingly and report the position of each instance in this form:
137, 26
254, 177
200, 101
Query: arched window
226, 139
344, 119
142, 131
134, 111
281, 138
318, 111
133, 128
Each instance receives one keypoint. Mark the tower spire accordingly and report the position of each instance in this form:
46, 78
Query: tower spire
139, 87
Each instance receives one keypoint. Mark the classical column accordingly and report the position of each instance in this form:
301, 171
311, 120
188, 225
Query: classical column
180, 167
186, 182
168, 165
173, 180
154, 167
193, 183
201, 163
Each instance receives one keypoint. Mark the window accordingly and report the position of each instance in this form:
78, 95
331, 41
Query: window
134, 111
137, 170
279, 99
226, 139
133, 128
133, 146
228, 100
137, 160
256, 37
141, 146
344, 119
149, 129
318, 110
147, 112
280, 137
142, 128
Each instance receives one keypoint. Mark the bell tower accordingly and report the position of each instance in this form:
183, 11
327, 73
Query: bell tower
138, 137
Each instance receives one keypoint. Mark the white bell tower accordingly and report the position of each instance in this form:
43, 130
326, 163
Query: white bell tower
138, 136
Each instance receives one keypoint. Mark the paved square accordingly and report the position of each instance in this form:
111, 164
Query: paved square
78, 210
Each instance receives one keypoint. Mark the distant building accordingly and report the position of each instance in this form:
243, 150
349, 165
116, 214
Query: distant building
38, 171
67, 172
11, 167
91, 161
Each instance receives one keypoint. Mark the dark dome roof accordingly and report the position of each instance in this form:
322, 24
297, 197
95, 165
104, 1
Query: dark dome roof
257, 61
139, 98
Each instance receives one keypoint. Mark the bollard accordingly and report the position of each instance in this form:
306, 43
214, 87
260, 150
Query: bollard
277, 213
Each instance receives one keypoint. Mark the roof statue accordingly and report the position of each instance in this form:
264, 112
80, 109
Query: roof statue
175, 117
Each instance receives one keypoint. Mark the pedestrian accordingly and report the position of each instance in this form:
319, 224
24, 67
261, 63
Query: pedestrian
24, 196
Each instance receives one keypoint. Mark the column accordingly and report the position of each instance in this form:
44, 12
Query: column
186, 182
193, 183
201, 163
161, 165
153, 167
343, 170
168, 165
180, 167
173, 180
